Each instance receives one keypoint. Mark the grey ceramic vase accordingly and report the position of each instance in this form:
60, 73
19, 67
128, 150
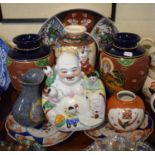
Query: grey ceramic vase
27, 109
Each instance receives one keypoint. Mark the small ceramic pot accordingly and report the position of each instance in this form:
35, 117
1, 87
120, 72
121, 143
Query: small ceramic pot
124, 65
125, 111
77, 41
28, 53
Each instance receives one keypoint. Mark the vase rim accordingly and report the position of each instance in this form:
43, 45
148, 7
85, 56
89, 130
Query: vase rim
127, 34
130, 96
30, 37
126, 39
75, 29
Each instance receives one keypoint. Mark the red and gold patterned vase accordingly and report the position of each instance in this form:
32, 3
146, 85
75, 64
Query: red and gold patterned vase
124, 65
28, 53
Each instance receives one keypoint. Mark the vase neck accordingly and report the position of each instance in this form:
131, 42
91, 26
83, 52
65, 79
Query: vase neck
27, 41
126, 40
30, 88
124, 48
35, 48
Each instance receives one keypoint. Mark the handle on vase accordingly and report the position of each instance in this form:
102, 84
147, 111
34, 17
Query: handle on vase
152, 102
145, 41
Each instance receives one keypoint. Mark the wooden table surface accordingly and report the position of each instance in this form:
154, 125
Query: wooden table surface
77, 141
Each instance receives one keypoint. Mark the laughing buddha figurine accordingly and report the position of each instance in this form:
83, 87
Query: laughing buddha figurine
71, 100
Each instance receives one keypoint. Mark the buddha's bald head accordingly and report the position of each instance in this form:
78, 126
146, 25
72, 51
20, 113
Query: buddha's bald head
68, 67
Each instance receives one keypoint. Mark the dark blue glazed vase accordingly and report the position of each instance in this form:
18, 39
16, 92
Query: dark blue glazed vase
28, 53
125, 45
27, 109
123, 64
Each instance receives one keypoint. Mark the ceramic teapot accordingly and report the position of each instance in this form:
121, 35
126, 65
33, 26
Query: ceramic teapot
125, 111
71, 99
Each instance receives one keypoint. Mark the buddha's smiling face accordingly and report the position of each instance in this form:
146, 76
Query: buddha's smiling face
68, 68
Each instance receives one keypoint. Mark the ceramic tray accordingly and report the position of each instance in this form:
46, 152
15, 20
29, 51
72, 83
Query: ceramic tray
45, 134
98, 26
141, 134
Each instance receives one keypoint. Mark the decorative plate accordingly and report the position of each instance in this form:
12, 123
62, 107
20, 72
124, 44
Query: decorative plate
4, 76
45, 134
99, 27
141, 134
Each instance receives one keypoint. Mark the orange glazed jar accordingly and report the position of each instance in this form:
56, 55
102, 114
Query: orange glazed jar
125, 111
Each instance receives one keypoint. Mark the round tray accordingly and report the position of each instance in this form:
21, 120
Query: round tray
141, 134
45, 134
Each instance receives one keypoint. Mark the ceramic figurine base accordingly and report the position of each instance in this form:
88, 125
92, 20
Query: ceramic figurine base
71, 100
45, 134
141, 134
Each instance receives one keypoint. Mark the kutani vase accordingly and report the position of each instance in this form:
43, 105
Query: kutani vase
28, 53
124, 65
77, 41
125, 111
27, 109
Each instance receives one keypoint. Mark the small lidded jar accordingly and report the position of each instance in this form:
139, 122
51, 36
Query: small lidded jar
125, 111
